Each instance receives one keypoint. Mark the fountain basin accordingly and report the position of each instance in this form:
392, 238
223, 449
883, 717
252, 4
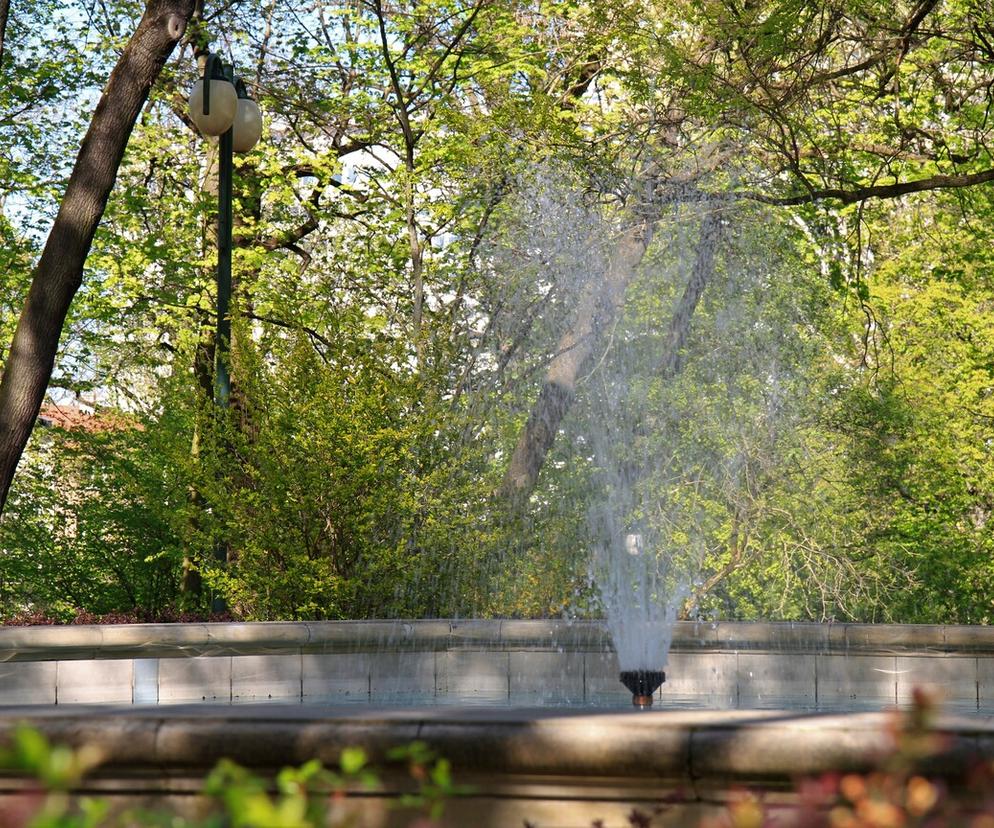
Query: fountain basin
502, 662
767, 699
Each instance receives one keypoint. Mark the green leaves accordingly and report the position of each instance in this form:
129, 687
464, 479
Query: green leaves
308, 796
354, 475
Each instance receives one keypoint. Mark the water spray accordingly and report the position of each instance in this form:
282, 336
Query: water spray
642, 683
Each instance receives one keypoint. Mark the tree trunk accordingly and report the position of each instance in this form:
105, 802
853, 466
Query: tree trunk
4, 13
700, 275
596, 311
598, 306
59, 272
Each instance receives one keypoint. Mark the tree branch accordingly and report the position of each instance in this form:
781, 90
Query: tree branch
291, 238
859, 194
4, 13
296, 326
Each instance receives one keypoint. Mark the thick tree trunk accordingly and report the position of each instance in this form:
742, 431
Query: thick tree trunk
700, 275
4, 13
597, 309
59, 272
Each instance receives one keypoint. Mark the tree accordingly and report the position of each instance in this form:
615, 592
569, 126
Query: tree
463, 214
788, 84
59, 272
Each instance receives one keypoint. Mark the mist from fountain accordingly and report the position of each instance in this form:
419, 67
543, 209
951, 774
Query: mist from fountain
644, 517
676, 452
669, 444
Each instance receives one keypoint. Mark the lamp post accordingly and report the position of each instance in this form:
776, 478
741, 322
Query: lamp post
220, 106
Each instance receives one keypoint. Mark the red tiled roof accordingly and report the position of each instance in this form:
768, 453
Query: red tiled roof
72, 418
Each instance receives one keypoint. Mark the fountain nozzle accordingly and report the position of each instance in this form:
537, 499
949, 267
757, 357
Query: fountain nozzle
642, 683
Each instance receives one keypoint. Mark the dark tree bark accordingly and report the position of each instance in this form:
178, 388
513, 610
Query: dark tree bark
860, 194
700, 276
597, 309
4, 13
59, 272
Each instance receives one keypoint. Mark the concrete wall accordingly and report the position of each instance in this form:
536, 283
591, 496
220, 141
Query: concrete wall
553, 768
727, 665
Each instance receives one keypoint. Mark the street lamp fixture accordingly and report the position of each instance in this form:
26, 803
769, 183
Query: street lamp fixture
220, 106
213, 100
246, 130
224, 103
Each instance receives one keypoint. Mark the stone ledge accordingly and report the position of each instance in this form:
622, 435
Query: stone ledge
696, 748
51, 643
748, 679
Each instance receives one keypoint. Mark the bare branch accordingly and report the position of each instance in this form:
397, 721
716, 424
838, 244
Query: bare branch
859, 194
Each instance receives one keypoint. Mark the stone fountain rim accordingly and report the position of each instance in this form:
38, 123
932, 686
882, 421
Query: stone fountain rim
255, 638
698, 748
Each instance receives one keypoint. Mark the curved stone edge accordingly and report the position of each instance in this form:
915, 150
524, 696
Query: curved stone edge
697, 749
259, 638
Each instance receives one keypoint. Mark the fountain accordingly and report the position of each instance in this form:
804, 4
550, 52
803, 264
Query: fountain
646, 513
642, 683
531, 712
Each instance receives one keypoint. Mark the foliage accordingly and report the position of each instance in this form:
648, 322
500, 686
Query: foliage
894, 793
101, 554
439, 186
310, 796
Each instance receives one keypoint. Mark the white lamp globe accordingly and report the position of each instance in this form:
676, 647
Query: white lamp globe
223, 105
247, 128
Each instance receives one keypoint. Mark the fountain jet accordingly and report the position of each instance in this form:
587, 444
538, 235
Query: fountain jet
642, 683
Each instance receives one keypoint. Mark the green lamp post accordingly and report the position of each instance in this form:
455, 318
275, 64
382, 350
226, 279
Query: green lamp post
220, 106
